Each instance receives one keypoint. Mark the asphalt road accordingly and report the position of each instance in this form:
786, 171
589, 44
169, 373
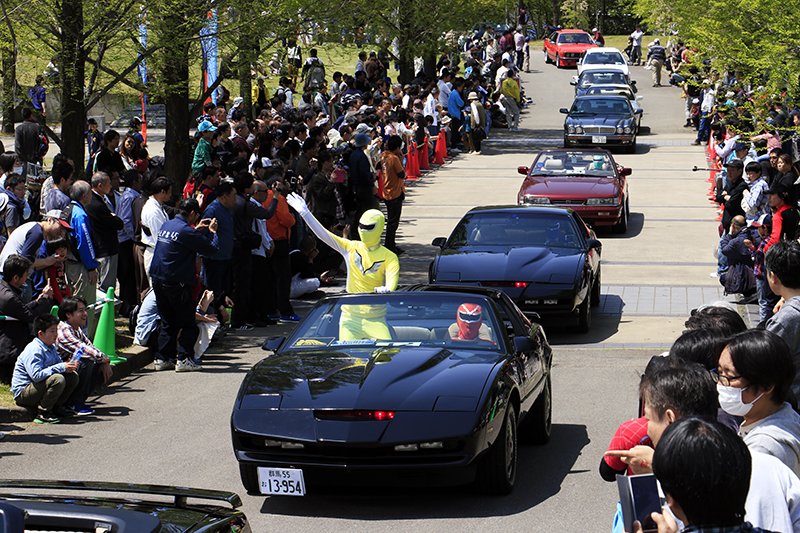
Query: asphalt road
173, 429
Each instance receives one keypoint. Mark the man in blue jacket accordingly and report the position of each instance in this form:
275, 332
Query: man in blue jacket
216, 274
173, 272
81, 267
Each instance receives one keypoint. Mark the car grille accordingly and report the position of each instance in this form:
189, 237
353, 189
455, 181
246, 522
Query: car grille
572, 55
555, 201
599, 129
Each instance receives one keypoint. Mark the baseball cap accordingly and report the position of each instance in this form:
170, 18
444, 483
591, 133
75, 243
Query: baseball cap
57, 214
735, 163
740, 146
238, 101
777, 188
363, 128
205, 126
763, 220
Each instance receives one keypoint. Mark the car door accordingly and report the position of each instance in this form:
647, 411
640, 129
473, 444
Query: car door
592, 256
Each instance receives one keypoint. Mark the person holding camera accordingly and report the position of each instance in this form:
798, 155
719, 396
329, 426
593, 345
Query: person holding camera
280, 229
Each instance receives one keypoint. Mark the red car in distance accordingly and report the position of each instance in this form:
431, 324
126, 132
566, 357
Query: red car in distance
564, 47
589, 182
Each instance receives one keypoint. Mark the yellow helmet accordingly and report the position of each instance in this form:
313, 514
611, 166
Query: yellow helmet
370, 227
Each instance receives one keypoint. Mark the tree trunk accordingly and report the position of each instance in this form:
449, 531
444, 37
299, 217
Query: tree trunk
73, 62
245, 81
9, 62
429, 64
175, 75
405, 16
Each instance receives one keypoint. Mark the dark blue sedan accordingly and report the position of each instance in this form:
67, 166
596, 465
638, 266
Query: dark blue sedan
544, 258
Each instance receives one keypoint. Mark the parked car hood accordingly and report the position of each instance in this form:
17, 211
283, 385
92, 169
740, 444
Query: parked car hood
396, 378
571, 186
600, 120
571, 47
497, 263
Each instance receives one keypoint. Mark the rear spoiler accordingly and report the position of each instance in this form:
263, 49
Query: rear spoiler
181, 494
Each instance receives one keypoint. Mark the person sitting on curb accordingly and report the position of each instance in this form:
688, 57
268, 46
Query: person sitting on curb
94, 364
41, 379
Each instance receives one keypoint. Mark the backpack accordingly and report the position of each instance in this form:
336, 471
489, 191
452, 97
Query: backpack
316, 74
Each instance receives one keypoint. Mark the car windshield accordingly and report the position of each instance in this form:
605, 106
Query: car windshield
573, 163
602, 78
604, 58
481, 230
574, 38
618, 91
601, 106
399, 319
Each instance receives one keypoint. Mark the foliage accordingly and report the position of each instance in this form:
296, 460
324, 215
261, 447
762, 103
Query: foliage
575, 14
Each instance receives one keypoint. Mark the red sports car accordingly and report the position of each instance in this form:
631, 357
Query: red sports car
588, 181
565, 47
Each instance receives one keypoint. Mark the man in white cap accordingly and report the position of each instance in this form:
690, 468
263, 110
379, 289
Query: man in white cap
237, 104
656, 56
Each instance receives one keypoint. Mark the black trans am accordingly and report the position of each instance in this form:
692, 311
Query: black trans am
33, 505
428, 388
544, 258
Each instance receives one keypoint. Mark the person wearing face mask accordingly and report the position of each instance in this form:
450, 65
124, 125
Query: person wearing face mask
754, 373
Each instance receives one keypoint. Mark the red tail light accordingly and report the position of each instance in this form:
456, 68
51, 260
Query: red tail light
517, 284
334, 414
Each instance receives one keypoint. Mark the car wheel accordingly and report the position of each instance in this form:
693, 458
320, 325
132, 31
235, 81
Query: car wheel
498, 469
558, 61
585, 314
622, 225
249, 475
632, 146
596, 290
539, 423
566, 143
546, 58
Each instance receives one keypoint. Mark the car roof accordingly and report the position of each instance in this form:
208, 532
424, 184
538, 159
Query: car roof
572, 31
605, 70
601, 96
601, 49
555, 211
489, 292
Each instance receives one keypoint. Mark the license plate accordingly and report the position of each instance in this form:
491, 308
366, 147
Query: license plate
598, 139
281, 481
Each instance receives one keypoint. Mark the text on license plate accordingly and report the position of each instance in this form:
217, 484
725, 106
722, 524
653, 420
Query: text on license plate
281, 481
598, 139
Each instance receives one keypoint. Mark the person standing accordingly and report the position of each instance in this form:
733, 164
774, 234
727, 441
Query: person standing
38, 96
362, 179
28, 140
127, 269
656, 55
510, 91
477, 118
173, 273
94, 141
105, 225
636, 46
393, 190
216, 273
81, 267
153, 217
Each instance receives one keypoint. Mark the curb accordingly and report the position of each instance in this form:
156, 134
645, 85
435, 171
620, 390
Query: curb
137, 357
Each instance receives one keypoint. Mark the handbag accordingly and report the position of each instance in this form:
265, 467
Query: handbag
739, 279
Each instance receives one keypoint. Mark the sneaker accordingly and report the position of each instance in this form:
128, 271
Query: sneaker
455, 150
46, 417
696, 143
161, 364
274, 317
649, 68
80, 410
64, 411
290, 318
243, 327
714, 274
187, 365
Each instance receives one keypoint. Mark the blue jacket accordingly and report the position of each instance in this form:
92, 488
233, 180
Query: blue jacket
36, 363
82, 232
455, 105
174, 259
360, 170
224, 218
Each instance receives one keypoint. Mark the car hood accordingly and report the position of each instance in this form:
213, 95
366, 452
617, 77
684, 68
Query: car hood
571, 187
600, 120
574, 47
496, 263
395, 378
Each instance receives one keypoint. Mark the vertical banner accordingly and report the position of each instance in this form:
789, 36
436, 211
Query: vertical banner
208, 43
143, 70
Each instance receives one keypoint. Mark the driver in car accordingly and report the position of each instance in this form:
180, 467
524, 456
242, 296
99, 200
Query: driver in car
553, 232
469, 325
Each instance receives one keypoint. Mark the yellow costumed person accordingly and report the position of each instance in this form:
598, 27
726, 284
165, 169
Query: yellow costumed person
370, 268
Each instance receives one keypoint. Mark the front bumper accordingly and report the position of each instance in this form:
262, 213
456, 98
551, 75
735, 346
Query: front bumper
574, 139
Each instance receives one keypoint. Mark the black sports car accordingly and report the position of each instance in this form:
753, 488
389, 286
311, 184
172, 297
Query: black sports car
603, 121
544, 258
424, 388
33, 506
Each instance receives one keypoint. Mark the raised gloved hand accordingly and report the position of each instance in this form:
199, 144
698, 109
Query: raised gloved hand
297, 203
383, 289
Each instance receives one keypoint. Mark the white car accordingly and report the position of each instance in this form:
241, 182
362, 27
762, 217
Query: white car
603, 58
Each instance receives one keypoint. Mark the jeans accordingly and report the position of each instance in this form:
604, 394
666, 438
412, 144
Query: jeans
216, 276
766, 299
176, 308
705, 125
88, 379
394, 208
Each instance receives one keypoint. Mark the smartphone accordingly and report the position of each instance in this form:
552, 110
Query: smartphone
639, 498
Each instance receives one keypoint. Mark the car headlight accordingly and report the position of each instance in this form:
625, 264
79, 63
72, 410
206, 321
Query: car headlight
535, 200
578, 129
628, 129
571, 128
619, 129
601, 201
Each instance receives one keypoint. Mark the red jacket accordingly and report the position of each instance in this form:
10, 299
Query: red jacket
280, 225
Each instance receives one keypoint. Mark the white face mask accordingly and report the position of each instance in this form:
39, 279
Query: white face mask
17, 170
730, 399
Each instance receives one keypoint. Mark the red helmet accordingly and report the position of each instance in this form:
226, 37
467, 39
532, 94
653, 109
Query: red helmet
469, 319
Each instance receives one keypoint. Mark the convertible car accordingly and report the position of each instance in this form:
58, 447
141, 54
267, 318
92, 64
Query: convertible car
544, 258
565, 47
601, 120
411, 388
32, 505
588, 181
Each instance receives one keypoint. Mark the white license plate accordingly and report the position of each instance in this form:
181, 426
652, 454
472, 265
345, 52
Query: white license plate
281, 481
598, 139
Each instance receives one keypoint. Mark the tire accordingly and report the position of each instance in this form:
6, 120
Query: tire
546, 58
631, 149
538, 424
498, 468
622, 225
249, 475
596, 290
585, 314
558, 61
566, 143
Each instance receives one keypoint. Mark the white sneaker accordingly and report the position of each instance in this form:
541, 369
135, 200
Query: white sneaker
648, 68
714, 274
161, 364
187, 365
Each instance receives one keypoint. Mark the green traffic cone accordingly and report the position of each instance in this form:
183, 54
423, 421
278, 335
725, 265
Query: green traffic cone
54, 311
104, 337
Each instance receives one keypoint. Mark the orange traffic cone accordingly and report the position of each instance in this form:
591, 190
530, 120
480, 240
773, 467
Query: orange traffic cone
423, 156
441, 150
412, 172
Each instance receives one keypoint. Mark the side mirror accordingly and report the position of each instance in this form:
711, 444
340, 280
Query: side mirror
523, 170
574, 82
638, 112
594, 244
439, 241
522, 344
639, 98
625, 172
564, 110
633, 82
272, 344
